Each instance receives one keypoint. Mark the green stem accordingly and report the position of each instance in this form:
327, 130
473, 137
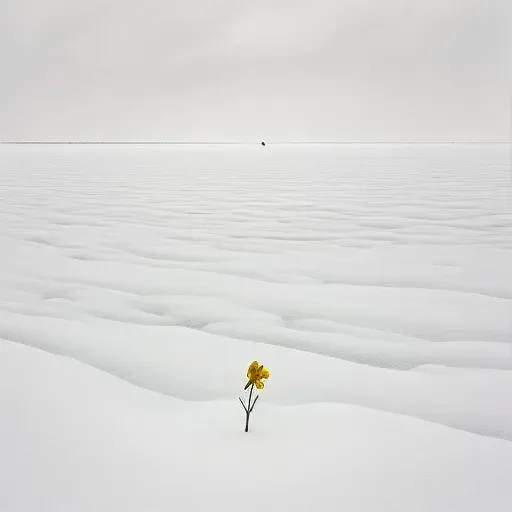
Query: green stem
248, 410
254, 403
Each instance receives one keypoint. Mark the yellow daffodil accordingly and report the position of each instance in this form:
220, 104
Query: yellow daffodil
256, 373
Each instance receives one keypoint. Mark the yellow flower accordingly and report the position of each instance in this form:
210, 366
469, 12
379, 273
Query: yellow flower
255, 374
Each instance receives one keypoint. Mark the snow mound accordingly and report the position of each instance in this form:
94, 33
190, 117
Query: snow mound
79, 439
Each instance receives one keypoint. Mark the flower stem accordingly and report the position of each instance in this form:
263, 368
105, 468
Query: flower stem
248, 410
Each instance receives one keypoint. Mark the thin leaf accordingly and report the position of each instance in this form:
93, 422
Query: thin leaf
243, 405
254, 403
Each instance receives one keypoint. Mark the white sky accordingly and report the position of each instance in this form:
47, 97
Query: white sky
267, 69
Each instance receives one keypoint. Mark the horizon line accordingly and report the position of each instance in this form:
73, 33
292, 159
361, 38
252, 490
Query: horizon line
138, 142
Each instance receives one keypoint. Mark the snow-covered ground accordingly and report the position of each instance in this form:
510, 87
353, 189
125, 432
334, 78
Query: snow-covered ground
374, 281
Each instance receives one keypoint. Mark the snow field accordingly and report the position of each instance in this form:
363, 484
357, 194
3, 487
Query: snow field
372, 280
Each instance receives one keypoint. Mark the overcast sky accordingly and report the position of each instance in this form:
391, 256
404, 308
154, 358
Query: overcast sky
235, 70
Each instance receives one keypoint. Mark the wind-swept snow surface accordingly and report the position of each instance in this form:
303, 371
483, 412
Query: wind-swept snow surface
370, 279
74, 438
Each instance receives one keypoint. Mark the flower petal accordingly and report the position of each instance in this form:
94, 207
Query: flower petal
253, 368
